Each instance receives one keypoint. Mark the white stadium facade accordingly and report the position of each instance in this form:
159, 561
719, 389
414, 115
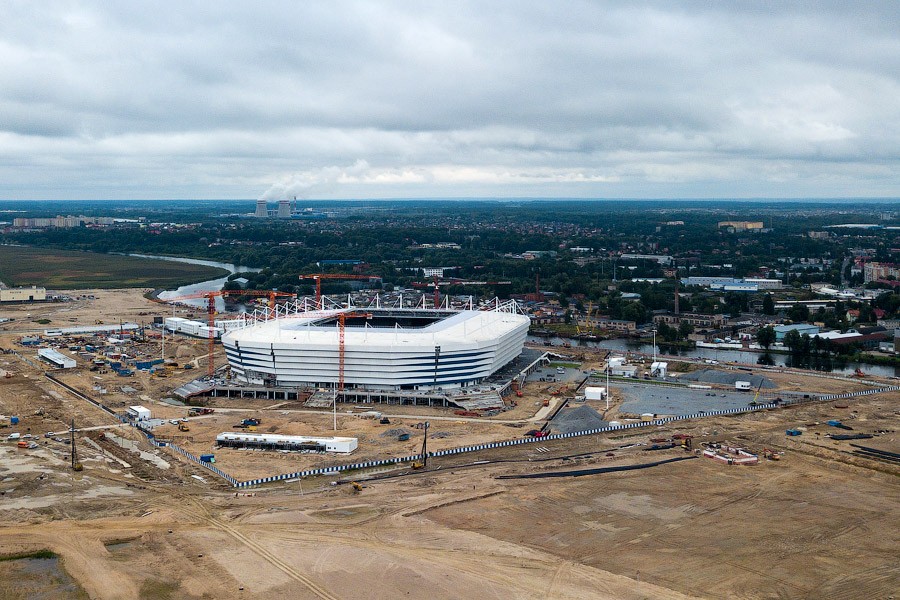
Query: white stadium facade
384, 349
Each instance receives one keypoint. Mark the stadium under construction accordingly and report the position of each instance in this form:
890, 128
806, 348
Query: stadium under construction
468, 359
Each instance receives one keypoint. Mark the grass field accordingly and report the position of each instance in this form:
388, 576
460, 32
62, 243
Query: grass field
67, 270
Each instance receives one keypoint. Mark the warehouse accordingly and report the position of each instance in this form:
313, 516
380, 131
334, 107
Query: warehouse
293, 443
57, 359
379, 349
32, 294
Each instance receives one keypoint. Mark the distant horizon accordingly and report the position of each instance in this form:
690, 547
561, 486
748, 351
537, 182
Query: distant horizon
823, 199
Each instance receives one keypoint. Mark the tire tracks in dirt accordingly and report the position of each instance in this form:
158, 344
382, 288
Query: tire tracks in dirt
259, 549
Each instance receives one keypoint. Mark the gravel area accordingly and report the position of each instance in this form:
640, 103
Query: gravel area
581, 418
715, 376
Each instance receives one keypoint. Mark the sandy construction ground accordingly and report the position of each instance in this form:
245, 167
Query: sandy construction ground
140, 522
819, 523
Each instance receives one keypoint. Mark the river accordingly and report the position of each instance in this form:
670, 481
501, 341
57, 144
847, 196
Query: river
212, 285
834, 365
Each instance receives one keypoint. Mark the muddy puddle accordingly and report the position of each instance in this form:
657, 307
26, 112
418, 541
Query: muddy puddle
37, 579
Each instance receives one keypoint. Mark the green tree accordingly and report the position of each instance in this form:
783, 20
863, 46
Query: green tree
792, 340
768, 305
799, 313
765, 337
634, 311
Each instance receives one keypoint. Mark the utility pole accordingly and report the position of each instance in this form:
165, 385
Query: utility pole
425, 444
76, 466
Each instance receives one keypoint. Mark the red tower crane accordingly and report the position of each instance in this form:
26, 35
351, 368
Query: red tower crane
342, 319
211, 311
318, 277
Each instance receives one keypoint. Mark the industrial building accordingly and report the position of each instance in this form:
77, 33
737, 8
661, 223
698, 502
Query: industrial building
92, 329
293, 443
57, 359
378, 349
189, 327
23, 294
697, 320
728, 284
138, 413
661, 259
741, 225
800, 328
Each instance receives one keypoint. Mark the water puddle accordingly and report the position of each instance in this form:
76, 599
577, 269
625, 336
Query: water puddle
37, 579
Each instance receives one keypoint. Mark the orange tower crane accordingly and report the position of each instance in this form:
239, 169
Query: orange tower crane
211, 311
318, 277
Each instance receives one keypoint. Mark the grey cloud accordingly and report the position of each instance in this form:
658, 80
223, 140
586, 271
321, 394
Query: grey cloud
449, 99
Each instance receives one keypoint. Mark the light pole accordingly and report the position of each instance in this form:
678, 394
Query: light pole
608, 356
654, 346
437, 356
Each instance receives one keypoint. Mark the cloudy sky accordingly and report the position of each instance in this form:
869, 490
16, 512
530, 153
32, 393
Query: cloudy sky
449, 99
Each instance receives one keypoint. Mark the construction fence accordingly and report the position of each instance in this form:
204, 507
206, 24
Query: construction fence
336, 469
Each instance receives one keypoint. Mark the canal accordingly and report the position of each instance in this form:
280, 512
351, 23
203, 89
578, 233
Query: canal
832, 364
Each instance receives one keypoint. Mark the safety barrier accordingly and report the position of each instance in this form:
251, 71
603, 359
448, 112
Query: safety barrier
333, 470
151, 437
209, 466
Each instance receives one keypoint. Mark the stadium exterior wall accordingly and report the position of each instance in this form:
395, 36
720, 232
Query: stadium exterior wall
296, 352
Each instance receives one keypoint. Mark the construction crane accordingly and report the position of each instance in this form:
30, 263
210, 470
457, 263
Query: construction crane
211, 296
318, 277
342, 322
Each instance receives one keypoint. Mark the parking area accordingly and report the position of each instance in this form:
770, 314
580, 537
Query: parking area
553, 374
665, 400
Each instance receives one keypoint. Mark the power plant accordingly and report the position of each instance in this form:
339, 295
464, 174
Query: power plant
283, 211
